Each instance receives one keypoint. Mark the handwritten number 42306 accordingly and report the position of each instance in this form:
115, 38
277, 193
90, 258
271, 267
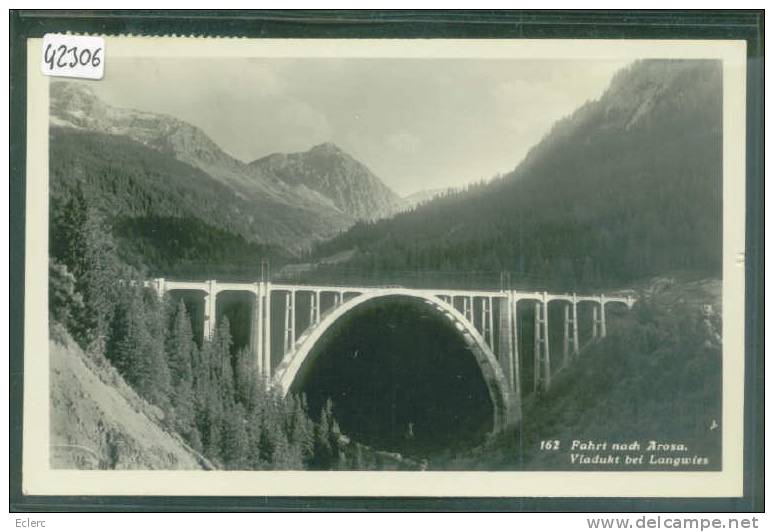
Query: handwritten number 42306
63, 57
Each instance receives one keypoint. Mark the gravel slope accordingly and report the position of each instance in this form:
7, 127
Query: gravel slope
99, 422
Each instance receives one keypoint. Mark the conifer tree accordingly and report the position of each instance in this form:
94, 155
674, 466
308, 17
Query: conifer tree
338, 458
155, 314
68, 239
268, 436
181, 355
64, 302
223, 369
255, 434
85, 246
215, 391
136, 346
298, 426
245, 376
235, 438
209, 405
100, 276
323, 452
130, 340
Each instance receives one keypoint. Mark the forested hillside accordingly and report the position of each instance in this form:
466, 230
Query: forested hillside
626, 187
206, 392
167, 216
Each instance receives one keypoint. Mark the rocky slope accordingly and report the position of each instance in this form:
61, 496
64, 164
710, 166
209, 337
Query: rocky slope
290, 208
99, 422
334, 174
77, 106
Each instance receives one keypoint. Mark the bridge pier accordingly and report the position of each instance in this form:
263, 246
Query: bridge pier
575, 346
542, 347
266, 351
210, 310
508, 357
160, 286
290, 321
566, 350
486, 322
515, 342
256, 329
546, 348
602, 324
515, 359
467, 308
536, 349
594, 322
482, 311
491, 324
314, 308
508, 353
571, 330
505, 337
207, 323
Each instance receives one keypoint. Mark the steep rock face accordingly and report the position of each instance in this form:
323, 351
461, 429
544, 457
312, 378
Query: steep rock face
655, 102
658, 127
331, 172
77, 106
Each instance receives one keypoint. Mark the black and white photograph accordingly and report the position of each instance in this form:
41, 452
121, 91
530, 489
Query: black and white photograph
423, 263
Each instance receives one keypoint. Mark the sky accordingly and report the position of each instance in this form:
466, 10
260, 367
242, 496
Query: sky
416, 123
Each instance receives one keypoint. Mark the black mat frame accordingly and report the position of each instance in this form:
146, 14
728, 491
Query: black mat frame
590, 24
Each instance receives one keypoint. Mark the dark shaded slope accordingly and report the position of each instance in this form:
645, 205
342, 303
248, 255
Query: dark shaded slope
189, 248
656, 377
126, 177
628, 186
166, 213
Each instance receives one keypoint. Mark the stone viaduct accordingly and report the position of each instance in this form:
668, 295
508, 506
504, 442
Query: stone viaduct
494, 342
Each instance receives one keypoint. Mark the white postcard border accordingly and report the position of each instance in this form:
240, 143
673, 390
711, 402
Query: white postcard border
39, 479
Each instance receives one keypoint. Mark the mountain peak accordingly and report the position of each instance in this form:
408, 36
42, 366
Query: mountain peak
72, 103
326, 148
68, 88
330, 171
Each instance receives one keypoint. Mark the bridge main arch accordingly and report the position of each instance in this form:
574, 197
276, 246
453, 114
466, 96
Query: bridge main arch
300, 358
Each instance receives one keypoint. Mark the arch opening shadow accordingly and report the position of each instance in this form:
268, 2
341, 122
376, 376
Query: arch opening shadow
401, 377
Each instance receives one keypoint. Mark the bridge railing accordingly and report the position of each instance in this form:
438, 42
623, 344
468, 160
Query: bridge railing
430, 279
341, 275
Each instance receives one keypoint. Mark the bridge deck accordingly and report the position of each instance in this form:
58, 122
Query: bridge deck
207, 286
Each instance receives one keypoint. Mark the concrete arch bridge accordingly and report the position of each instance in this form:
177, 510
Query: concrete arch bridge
486, 320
